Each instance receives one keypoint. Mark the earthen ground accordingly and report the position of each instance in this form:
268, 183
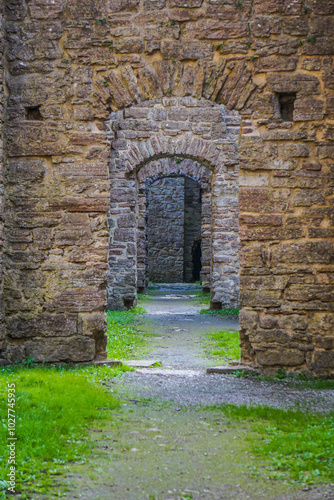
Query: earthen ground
163, 444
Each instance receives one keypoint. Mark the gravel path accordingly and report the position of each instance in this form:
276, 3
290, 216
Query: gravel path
161, 445
178, 332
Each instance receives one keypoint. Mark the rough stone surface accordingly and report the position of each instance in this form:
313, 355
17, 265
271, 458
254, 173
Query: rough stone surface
165, 230
174, 230
205, 133
90, 90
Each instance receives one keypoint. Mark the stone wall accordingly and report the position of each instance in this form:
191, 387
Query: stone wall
69, 64
165, 230
205, 133
175, 168
173, 229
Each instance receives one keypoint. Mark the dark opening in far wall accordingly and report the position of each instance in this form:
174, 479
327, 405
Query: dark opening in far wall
196, 254
286, 102
34, 113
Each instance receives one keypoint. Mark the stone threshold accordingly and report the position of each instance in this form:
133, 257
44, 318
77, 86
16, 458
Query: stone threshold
228, 370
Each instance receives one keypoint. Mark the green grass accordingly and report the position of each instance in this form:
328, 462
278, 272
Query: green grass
54, 408
203, 298
223, 345
232, 312
124, 339
297, 380
299, 445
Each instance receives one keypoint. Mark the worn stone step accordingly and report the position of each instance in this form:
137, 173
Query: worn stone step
227, 370
142, 363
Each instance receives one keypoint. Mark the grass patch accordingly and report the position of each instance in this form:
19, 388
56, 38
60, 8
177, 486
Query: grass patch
223, 345
295, 380
54, 407
299, 445
203, 298
231, 313
123, 335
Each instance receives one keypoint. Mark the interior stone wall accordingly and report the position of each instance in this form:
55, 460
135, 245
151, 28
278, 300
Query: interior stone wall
165, 230
173, 167
173, 226
76, 62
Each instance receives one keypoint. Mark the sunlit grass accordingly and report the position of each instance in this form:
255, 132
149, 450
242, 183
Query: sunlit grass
203, 298
232, 312
223, 346
123, 335
54, 407
299, 445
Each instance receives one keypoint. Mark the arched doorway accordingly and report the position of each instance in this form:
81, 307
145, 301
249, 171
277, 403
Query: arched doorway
199, 146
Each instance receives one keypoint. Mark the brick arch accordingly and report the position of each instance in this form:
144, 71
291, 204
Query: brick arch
222, 82
194, 130
171, 166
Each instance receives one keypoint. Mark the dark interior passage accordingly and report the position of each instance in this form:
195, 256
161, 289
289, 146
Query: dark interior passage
174, 230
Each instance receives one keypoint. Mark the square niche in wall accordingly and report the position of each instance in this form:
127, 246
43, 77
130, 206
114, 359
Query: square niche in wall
286, 104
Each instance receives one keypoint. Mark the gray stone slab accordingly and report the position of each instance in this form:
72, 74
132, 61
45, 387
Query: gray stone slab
102, 362
226, 370
141, 363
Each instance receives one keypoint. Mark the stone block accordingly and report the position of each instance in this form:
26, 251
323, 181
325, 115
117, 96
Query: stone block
260, 299
320, 252
308, 197
322, 359
154, 4
188, 4
248, 319
129, 46
45, 9
265, 64
95, 324
179, 51
32, 139
262, 200
43, 325
98, 204
308, 109
15, 353
289, 150
282, 357
123, 5
302, 83
56, 349
89, 9
15, 10
78, 300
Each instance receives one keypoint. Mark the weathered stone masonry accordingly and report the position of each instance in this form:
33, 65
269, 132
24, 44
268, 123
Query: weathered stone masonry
165, 230
193, 172
68, 177
173, 229
204, 138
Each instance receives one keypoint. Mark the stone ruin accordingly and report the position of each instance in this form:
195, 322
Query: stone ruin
104, 99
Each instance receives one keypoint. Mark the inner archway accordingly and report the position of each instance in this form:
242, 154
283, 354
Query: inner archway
150, 144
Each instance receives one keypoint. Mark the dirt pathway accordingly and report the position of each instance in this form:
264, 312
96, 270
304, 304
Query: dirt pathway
162, 444
178, 336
